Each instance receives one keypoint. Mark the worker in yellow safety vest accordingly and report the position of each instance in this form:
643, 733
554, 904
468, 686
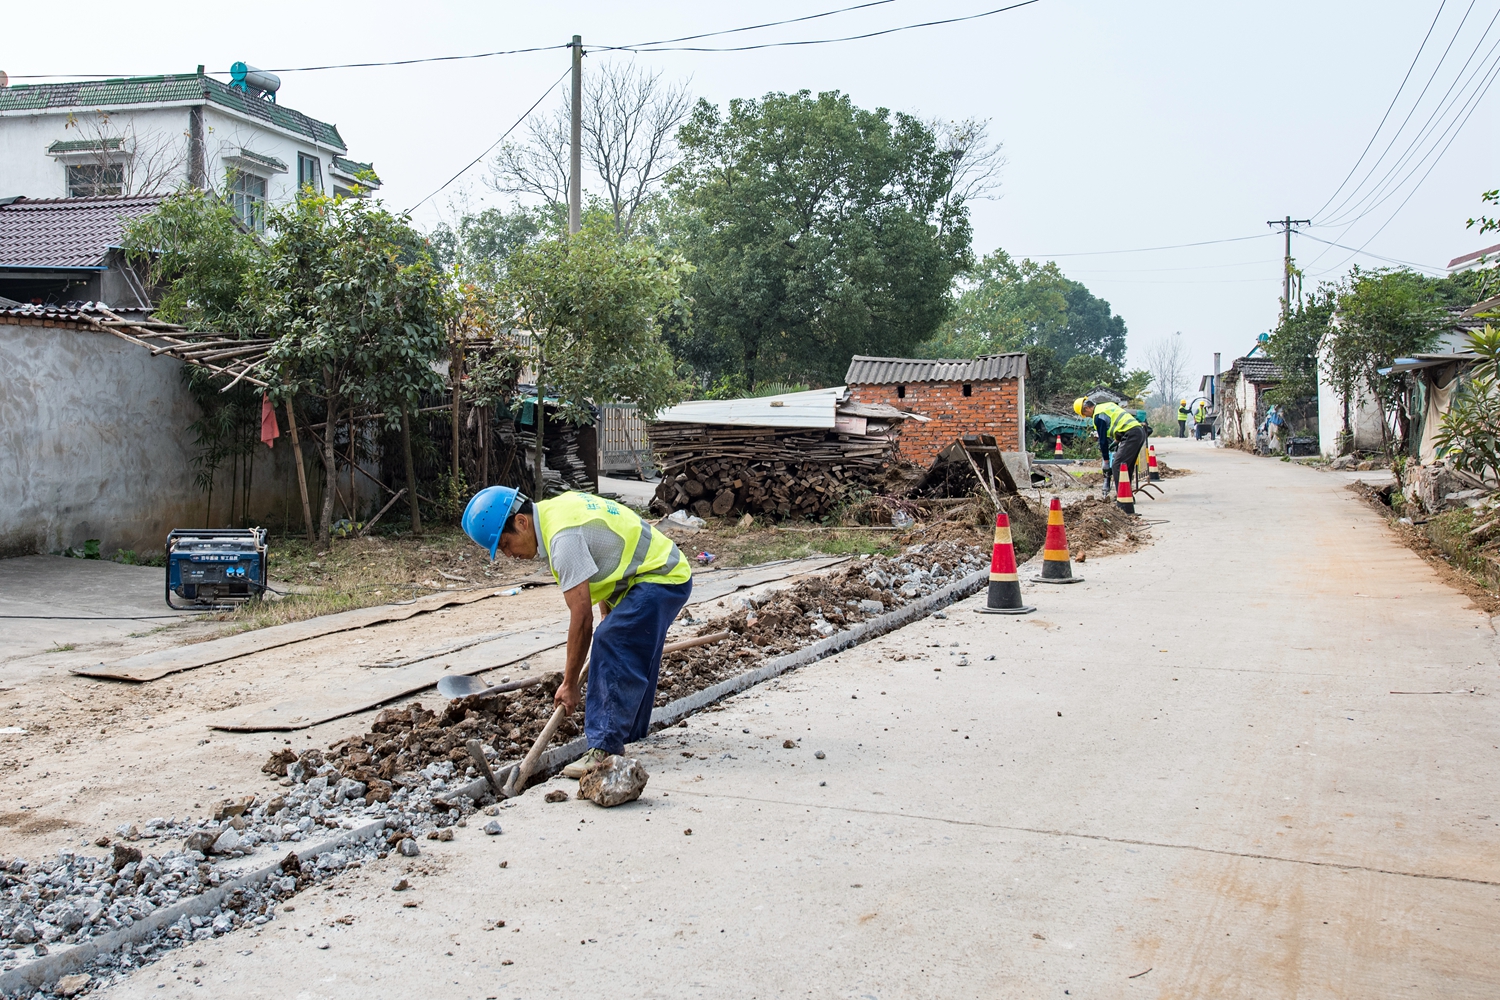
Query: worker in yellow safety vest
1119, 432
600, 553
1182, 418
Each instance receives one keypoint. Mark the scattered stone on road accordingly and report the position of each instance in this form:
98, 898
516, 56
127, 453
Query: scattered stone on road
613, 781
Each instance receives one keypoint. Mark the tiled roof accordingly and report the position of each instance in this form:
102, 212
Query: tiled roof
885, 371
353, 168
171, 88
263, 159
84, 145
1257, 369
65, 232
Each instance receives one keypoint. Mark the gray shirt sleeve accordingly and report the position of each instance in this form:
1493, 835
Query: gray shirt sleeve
572, 562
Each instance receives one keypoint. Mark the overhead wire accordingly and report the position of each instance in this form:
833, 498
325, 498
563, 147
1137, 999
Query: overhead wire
660, 47
1173, 246
1389, 108
497, 142
1415, 104
1445, 103
1474, 105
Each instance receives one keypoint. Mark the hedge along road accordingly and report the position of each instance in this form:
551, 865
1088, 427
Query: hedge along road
1189, 764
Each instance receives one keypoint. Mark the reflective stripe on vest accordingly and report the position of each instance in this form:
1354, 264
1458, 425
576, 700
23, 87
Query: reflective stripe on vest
1119, 420
647, 556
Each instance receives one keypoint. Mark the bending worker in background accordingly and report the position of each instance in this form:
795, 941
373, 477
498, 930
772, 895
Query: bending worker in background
600, 553
1119, 431
1182, 418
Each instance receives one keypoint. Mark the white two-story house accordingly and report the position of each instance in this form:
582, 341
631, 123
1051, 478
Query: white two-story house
72, 148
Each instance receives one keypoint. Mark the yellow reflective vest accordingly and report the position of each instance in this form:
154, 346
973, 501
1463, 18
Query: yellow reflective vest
1119, 420
1182, 413
648, 556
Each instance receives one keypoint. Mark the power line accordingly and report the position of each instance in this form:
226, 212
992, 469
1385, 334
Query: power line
1388, 260
537, 48
1441, 109
1395, 97
1174, 246
755, 27
651, 47
497, 142
1473, 107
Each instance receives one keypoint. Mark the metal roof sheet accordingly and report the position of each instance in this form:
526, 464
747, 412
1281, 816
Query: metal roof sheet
167, 89
815, 408
65, 232
865, 370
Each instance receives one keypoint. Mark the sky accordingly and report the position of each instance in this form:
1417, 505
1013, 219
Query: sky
1125, 126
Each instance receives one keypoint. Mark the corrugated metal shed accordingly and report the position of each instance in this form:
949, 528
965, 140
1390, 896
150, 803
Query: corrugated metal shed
886, 371
815, 408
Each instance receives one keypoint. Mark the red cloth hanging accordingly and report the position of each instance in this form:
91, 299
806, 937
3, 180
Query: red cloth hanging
269, 429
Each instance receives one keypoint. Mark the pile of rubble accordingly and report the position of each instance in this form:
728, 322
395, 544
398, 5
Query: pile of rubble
46, 905
402, 741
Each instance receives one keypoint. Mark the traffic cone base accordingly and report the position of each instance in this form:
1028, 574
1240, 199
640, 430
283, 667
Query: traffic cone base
1057, 566
1124, 498
1005, 587
1155, 473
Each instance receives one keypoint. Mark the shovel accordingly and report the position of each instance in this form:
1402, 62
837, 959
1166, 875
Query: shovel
518, 778
462, 686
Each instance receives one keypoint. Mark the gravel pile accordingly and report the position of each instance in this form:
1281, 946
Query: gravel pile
47, 906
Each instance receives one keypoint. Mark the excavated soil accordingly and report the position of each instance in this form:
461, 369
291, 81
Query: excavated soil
404, 740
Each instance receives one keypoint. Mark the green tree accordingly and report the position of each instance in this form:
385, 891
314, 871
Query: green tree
1469, 434
479, 244
590, 308
356, 306
1294, 343
196, 249
818, 230
1381, 315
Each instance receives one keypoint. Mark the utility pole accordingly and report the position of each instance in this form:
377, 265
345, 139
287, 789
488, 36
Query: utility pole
1286, 225
575, 155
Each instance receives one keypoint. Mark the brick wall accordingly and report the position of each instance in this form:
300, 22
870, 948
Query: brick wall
991, 408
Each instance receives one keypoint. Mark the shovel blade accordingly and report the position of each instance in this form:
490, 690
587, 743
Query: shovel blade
459, 686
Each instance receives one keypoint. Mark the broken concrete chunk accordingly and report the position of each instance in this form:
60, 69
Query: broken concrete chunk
231, 808
348, 788
613, 781
72, 985
492, 827
409, 848
226, 842
871, 607
201, 841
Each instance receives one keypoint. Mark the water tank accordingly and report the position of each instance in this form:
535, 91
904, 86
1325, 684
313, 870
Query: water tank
254, 81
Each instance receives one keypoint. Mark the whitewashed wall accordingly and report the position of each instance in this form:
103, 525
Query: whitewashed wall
94, 443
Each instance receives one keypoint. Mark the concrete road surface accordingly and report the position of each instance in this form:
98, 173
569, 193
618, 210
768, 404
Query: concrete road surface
1188, 777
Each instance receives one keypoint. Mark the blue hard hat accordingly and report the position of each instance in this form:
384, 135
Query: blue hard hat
484, 517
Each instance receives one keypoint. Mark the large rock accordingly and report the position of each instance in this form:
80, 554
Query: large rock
613, 781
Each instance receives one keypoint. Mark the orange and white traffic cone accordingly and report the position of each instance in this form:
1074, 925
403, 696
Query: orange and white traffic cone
1057, 448
1057, 567
1124, 498
1151, 463
1005, 587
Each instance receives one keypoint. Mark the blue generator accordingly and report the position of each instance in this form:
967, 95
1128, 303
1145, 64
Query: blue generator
215, 568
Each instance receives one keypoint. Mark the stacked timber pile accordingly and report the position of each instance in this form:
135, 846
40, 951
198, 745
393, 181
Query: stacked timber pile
718, 470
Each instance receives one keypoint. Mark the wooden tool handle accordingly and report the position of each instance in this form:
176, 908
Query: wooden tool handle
522, 774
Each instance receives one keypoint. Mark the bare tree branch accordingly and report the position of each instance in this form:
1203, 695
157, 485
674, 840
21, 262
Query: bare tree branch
977, 161
1167, 361
126, 162
629, 119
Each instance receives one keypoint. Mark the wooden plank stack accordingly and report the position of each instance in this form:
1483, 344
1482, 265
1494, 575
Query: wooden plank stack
719, 470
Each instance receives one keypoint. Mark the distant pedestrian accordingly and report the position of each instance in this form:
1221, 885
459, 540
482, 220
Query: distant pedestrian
1182, 418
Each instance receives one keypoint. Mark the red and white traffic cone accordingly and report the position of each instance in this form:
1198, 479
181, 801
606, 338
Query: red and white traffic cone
1124, 498
1005, 588
1151, 468
1057, 448
1057, 567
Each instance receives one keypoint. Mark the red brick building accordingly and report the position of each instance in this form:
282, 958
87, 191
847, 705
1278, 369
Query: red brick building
986, 395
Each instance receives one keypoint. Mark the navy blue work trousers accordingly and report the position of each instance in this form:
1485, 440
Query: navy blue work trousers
624, 664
